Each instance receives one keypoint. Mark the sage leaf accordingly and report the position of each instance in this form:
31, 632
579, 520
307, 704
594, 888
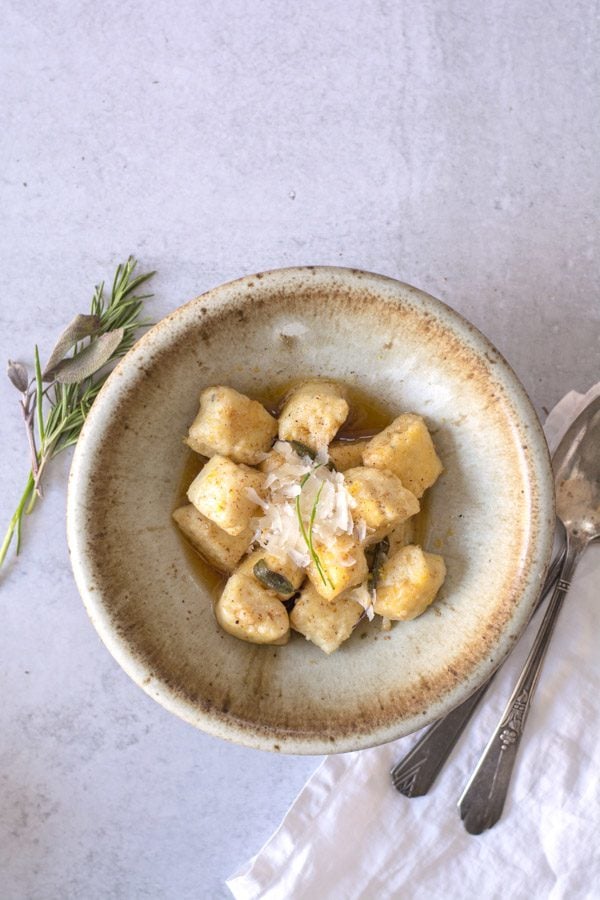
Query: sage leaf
17, 373
272, 580
379, 555
77, 368
302, 450
80, 328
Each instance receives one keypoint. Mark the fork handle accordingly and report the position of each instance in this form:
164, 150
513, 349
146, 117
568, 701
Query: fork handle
414, 775
416, 772
482, 800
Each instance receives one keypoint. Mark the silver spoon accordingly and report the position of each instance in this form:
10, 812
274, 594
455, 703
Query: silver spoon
577, 482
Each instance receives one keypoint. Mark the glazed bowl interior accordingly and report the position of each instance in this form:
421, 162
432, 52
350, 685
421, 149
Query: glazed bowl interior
490, 514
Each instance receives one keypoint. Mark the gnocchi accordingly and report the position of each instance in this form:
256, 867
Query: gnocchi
248, 610
346, 454
409, 581
380, 499
406, 449
223, 492
341, 565
313, 413
221, 550
230, 424
326, 623
314, 533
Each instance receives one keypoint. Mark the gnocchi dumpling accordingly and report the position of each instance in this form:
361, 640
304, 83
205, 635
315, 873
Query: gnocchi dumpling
327, 623
222, 491
408, 583
285, 523
346, 454
272, 460
398, 536
230, 424
343, 565
406, 449
380, 499
401, 535
248, 610
221, 550
313, 413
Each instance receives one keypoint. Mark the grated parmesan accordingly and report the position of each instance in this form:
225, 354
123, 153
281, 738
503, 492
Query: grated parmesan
319, 489
256, 498
361, 595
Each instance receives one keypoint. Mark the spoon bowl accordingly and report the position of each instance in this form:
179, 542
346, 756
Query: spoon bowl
577, 477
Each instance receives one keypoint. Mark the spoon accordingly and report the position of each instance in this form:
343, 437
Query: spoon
577, 482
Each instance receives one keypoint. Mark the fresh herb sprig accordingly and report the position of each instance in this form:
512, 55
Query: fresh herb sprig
308, 535
71, 380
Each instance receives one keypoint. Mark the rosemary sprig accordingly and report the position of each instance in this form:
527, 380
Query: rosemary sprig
73, 381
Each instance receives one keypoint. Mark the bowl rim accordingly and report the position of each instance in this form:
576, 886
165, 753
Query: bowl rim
250, 734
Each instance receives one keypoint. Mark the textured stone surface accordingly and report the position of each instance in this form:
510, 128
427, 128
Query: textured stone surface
453, 145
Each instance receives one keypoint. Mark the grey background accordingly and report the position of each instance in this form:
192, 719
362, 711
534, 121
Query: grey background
453, 145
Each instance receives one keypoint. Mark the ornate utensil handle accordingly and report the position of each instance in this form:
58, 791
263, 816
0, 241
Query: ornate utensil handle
482, 801
414, 775
416, 772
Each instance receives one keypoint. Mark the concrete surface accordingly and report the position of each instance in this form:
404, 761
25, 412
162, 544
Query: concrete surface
451, 144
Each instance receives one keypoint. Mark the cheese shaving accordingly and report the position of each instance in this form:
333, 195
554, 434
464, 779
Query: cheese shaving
256, 498
278, 529
361, 530
361, 595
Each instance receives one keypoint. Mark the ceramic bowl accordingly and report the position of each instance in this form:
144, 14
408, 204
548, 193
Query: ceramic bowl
491, 513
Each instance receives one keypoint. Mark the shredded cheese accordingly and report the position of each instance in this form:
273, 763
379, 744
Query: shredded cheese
291, 477
361, 595
256, 498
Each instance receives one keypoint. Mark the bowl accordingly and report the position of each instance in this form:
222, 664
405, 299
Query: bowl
491, 513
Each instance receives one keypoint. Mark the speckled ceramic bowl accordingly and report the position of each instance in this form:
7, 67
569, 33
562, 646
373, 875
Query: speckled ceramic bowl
491, 513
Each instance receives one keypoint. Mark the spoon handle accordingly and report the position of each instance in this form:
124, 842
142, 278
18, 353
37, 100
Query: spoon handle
482, 800
414, 775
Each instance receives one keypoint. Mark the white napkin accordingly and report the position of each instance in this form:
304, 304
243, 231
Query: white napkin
350, 835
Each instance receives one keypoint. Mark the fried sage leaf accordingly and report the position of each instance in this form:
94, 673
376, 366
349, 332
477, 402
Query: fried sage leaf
273, 580
378, 557
302, 450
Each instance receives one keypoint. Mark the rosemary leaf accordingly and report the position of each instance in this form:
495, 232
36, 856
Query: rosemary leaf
39, 396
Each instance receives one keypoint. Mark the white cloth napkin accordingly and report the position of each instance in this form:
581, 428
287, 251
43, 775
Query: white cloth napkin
350, 835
